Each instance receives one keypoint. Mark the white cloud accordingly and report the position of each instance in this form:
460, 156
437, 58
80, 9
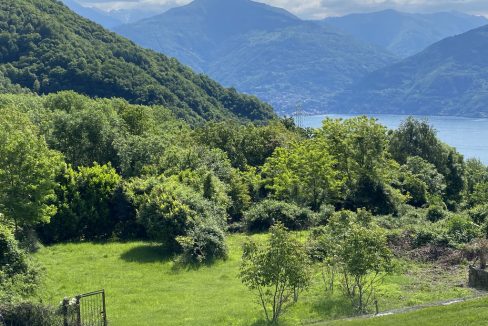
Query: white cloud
317, 8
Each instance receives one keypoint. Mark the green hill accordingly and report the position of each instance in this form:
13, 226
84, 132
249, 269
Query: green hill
448, 78
46, 48
260, 49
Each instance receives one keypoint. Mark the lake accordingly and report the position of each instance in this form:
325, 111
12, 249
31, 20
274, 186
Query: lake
468, 135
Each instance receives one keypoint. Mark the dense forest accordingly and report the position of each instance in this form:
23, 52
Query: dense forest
79, 169
46, 48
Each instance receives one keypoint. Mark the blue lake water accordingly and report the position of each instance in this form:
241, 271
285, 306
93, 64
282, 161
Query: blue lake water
469, 136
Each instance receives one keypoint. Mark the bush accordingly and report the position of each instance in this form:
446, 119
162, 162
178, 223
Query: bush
375, 196
266, 213
29, 314
86, 202
460, 229
325, 213
479, 213
203, 244
18, 278
12, 259
436, 213
168, 210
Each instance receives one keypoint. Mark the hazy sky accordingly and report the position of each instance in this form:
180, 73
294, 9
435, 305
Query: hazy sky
318, 8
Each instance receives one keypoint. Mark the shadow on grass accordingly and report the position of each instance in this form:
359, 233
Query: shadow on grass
147, 254
183, 265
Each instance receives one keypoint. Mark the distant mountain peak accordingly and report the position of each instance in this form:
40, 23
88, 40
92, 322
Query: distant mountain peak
402, 33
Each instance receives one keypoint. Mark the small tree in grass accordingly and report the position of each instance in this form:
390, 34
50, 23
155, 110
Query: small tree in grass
278, 271
364, 260
351, 248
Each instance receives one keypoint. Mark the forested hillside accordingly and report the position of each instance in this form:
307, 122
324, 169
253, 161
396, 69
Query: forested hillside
261, 50
47, 48
448, 78
405, 34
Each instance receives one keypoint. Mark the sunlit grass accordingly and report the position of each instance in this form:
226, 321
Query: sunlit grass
460, 314
144, 287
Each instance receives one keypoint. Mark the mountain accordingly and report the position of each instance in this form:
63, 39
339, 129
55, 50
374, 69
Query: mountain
260, 49
405, 34
448, 78
98, 16
47, 48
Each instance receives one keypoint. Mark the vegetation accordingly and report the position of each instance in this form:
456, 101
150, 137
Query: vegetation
114, 172
278, 272
144, 284
467, 313
47, 48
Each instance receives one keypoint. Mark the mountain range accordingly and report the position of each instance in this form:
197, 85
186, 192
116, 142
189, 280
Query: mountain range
405, 34
257, 48
45, 47
103, 18
448, 78
261, 50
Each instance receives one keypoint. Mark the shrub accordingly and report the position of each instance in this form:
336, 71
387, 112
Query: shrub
478, 213
266, 213
168, 210
18, 278
460, 229
12, 259
86, 201
436, 213
29, 314
203, 244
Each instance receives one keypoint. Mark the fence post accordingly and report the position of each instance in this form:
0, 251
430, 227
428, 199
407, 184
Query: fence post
78, 311
104, 309
65, 311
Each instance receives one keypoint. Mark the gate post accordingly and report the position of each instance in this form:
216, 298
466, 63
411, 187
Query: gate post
65, 311
78, 311
104, 309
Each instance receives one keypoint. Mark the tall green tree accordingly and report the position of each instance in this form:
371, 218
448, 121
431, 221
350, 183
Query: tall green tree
27, 171
304, 173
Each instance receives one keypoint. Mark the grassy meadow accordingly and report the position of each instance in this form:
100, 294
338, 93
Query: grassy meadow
145, 287
460, 314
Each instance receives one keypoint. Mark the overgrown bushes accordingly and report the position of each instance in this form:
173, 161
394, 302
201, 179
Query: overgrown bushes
29, 314
268, 212
18, 275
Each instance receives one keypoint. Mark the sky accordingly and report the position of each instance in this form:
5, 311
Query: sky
316, 9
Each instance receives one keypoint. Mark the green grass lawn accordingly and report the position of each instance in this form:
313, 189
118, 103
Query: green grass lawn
460, 314
144, 288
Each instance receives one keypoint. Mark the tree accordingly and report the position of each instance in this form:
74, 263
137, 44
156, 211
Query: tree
364, 259
86, 202
359, 148
303, 173
27, 171
355, 250
416, 138
278, 271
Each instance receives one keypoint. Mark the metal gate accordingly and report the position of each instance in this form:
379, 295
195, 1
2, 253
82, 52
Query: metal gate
85, 310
